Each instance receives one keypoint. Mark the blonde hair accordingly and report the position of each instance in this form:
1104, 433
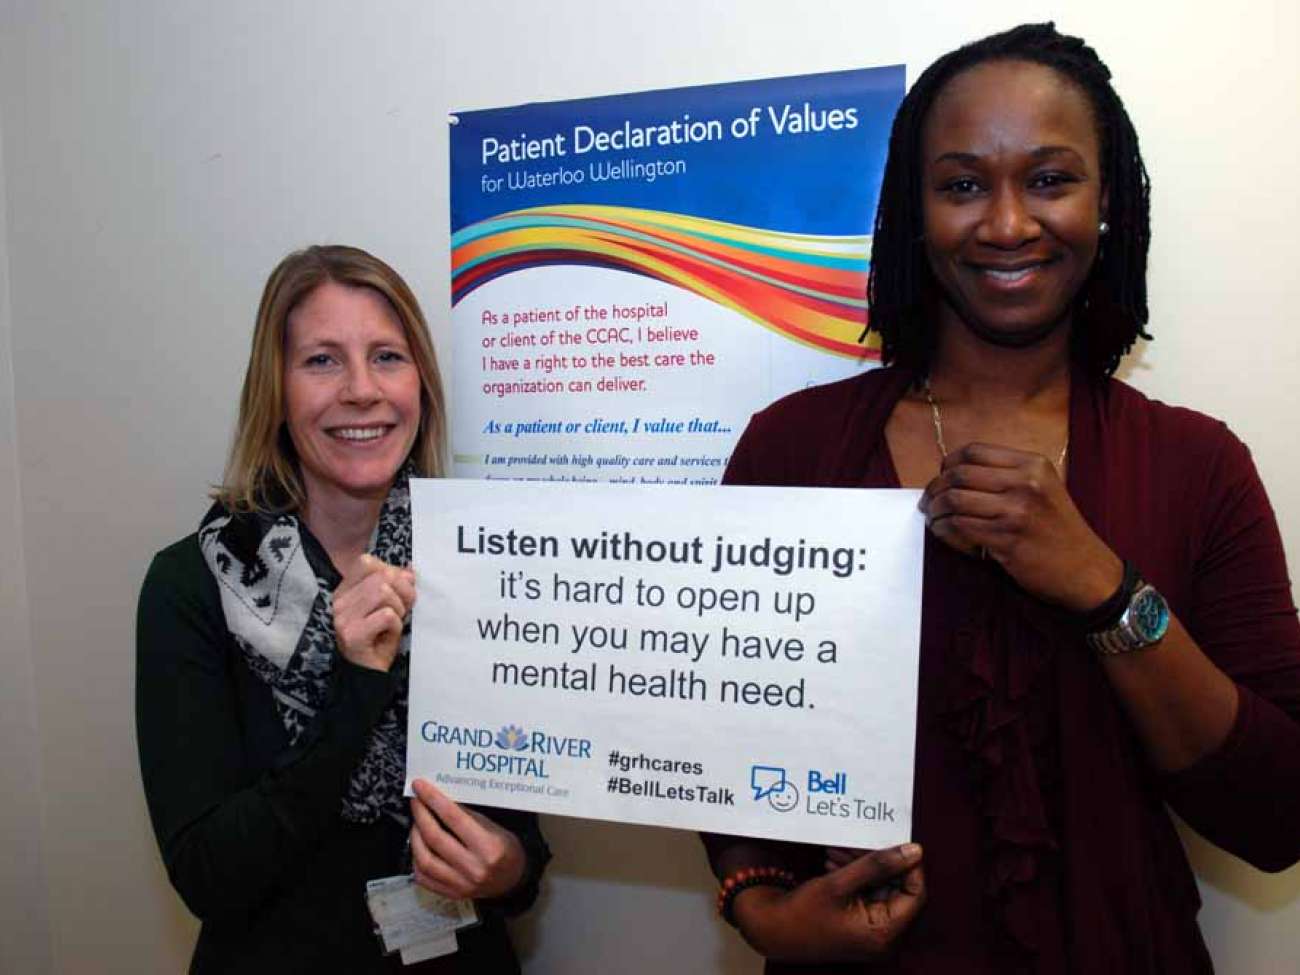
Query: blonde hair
262, 472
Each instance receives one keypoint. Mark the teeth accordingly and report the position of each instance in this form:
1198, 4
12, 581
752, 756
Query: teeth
359, 433
1009, 276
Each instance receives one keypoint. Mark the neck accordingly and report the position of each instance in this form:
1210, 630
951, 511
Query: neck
968, 369
341, 522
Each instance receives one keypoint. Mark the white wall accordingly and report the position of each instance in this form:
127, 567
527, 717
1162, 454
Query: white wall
159, 157
24, 919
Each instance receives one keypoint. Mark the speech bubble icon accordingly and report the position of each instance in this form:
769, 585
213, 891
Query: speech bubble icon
766, 779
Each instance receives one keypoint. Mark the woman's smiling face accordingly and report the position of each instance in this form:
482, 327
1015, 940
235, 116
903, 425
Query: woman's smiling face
1012, 199
351, 392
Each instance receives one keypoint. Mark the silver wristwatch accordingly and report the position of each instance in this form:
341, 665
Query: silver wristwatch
1144, 622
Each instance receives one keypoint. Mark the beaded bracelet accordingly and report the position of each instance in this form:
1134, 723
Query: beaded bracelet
747, 877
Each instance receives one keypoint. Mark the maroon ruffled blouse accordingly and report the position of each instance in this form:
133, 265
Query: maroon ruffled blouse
1048, 848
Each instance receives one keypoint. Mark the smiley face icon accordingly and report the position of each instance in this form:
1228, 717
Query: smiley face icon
783, 797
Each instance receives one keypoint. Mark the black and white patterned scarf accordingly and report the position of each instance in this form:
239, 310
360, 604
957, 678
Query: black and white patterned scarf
280, 611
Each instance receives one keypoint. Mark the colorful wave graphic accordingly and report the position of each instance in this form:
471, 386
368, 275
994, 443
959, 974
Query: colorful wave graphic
809, 288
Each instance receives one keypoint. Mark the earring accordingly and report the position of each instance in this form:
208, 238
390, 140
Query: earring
1103, 228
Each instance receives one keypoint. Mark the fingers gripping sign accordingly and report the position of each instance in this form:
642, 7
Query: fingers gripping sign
1012, 506
838, 856
371, 606
458, 852
854, 912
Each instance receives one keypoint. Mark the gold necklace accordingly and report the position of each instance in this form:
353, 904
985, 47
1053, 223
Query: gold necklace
938, 429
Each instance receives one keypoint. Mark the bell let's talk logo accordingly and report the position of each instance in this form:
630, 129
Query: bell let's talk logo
827, 794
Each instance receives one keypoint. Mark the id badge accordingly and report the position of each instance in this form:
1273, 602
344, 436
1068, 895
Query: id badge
417, 922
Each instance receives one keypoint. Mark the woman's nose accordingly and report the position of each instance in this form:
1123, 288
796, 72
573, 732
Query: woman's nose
1008, 222
361, 386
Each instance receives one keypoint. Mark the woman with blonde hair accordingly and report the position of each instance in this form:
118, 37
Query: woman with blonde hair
271, 684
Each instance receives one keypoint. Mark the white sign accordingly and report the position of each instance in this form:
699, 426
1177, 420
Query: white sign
734, 659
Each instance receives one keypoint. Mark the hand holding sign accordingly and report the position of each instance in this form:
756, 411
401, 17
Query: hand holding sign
370, 608
836, 917
458, 852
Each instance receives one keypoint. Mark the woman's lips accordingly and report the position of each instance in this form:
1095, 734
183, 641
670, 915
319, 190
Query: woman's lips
1009, 276
359, 434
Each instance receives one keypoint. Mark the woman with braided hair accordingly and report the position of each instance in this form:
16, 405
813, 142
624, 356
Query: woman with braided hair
1107, 624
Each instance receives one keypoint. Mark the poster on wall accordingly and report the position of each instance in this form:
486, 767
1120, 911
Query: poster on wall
634, 275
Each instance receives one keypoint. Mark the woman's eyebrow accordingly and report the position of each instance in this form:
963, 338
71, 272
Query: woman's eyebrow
965, 158
1043, 152
971, 158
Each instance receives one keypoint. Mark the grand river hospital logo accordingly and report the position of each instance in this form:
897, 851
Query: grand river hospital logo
771, 783
511, 738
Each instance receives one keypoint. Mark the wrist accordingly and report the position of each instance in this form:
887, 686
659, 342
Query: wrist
1142, 620
750, 911
735, 884
377, 660
1099, 591
519, 895
516, 870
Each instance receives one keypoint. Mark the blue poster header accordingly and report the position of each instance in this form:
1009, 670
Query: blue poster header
801, 154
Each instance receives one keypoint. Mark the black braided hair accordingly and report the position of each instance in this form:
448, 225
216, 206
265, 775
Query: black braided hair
1111, 308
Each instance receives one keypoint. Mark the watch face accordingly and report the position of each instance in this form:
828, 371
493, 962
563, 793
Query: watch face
1149, 615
